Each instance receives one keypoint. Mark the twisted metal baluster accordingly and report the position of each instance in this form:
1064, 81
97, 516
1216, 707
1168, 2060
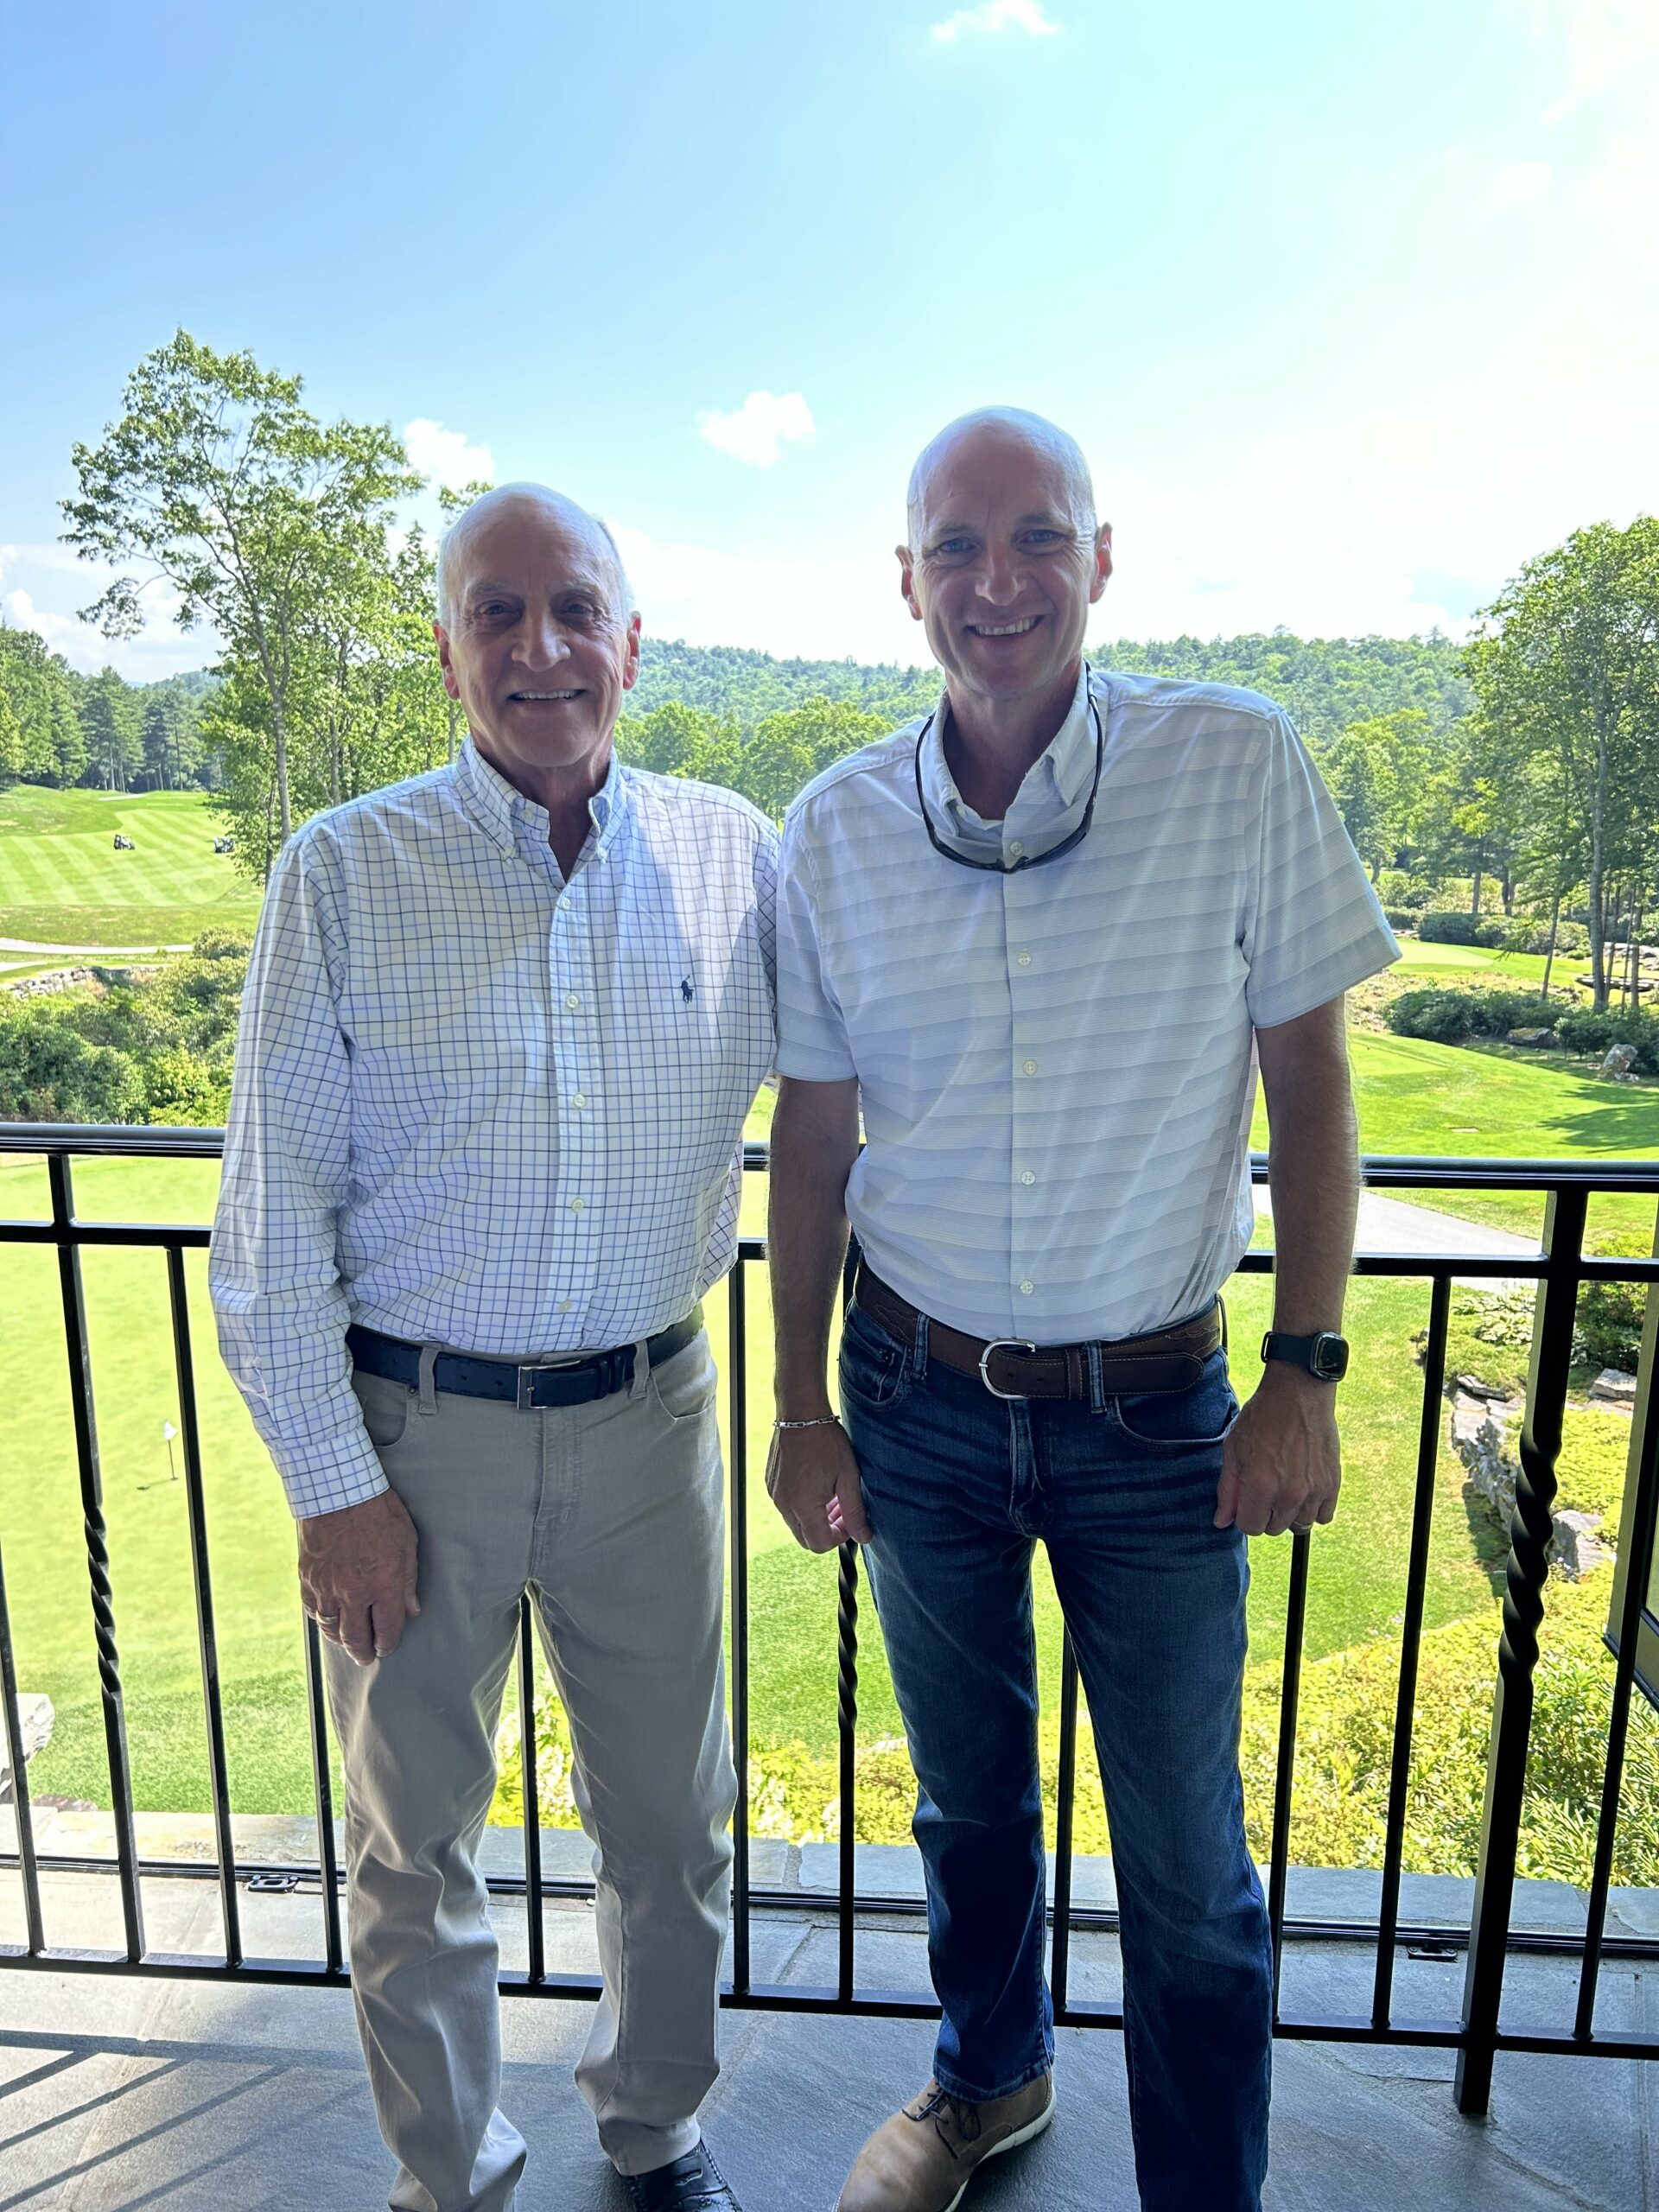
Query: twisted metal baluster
1532, 1525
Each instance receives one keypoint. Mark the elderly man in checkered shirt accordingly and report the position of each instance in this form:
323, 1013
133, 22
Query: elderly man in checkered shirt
502, 1027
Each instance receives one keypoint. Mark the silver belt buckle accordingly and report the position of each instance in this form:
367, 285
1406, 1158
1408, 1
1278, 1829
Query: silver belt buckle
1002, 1343
535, 1367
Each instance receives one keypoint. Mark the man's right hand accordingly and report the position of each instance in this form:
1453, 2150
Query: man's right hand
357, 1574
812, 1479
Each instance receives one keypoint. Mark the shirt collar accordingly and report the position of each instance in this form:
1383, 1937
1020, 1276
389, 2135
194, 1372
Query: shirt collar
1050, 802
506, 816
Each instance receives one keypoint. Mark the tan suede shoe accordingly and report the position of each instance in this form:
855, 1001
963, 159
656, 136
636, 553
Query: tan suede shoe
924, 2158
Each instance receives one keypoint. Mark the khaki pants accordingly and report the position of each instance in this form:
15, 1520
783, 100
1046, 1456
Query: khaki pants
611, 1515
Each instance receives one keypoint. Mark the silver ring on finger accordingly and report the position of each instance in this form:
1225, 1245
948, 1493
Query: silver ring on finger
326, 1620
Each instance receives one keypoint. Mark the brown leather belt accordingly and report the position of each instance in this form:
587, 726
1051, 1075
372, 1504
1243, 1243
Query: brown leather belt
1167, 1359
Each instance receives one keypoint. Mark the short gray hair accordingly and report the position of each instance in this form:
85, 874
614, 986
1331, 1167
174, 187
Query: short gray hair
454, 540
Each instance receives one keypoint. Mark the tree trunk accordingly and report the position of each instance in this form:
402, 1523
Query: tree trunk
1474, 902
1549, 956
1596, 884
284, 804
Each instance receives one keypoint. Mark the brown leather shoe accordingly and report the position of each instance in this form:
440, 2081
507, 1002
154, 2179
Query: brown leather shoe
924, 2158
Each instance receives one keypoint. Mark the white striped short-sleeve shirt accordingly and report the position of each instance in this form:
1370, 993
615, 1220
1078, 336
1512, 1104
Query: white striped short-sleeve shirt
1056, 1067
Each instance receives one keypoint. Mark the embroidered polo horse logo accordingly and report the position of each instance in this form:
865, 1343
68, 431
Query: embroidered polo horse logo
686, 992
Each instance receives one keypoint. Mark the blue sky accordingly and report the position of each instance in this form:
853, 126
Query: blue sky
1353, 309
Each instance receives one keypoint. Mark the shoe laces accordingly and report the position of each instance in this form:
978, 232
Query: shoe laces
939, 2106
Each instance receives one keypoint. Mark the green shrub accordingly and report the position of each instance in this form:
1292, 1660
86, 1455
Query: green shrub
1442, 928
1586, 1030
1445, 1015
1609, 1313
1489, 1337
1399, 917
1395, 888
50, 1072
223, 945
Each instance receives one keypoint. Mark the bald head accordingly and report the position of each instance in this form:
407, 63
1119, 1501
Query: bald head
998, 431
525, 502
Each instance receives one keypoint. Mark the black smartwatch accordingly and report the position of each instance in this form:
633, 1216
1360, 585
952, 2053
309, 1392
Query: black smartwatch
1325, 1356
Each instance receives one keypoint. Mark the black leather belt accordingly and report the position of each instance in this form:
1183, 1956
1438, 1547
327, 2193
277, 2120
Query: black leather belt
531, 1384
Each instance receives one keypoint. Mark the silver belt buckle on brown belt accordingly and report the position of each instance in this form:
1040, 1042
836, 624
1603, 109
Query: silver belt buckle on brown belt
1001, 1344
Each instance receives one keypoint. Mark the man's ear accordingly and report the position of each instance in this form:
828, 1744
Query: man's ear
907, 581
631, 667
449, 683
1103, 560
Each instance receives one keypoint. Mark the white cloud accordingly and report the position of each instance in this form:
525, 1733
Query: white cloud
759, 429
1519, 183
1609, 43
447, 455
1620, 197
995, 15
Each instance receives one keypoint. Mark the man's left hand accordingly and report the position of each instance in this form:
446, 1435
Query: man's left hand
1281, 1463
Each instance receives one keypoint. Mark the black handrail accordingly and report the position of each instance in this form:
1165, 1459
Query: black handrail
1560, 1268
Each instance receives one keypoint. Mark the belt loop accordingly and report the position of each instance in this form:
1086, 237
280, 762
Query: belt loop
1221, 1306
428, 1378
641, 1369
918, 1349
1097, 1393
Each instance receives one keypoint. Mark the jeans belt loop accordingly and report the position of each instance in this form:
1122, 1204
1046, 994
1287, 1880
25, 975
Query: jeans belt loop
428, 1387
1096, 1392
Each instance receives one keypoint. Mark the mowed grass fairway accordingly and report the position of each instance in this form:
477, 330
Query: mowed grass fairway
62, 881
1358, 1564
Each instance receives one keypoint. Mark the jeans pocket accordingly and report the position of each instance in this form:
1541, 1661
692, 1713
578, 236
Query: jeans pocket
873, 1367
1172, 1421
385, 1407
682, 1389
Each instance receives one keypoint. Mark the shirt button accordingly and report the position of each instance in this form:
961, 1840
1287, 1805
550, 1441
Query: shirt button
566, 1305
1015, 849
1026, 1289
1030, 1067
578, 1206
581, 1098
1024, 959
572, 1000
1026, 1175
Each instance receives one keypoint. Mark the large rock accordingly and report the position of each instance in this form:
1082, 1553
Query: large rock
1483, 1446
1619, 1063
34, 1713
1541, 1039
1615, 1386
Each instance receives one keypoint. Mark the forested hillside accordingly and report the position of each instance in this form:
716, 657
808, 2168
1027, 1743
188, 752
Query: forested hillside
1328, 683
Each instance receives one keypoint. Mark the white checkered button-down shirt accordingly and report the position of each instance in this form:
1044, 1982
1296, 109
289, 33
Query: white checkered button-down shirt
477, 1105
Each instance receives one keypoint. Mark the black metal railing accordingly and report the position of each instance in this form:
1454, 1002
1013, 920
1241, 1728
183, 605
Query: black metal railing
1560, 1268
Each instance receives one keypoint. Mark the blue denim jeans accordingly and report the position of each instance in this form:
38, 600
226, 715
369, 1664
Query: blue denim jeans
959, 1485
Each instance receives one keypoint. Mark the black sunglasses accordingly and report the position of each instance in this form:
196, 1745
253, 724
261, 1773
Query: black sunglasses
1025, 860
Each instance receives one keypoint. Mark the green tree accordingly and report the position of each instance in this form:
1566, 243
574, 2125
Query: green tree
39, 712
1566, 673
219, 481
109, 716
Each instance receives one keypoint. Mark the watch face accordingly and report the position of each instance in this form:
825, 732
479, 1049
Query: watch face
1329, 1359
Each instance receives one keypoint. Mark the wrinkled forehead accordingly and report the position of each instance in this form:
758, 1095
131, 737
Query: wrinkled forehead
993, 474
530, 543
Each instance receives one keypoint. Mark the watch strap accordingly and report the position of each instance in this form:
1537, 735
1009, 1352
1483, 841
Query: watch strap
1325, 1356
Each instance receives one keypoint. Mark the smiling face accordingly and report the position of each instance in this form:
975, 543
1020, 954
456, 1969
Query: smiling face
1005, 557
536, 639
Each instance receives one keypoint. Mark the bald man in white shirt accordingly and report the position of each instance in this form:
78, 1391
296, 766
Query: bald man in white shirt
1042, 940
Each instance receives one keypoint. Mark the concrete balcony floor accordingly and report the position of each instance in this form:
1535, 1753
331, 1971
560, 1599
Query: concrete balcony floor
121, 2094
